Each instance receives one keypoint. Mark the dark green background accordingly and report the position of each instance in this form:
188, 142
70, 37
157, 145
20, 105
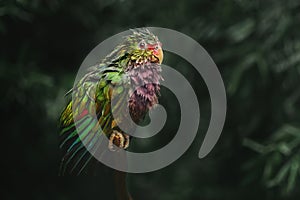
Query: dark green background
256, 46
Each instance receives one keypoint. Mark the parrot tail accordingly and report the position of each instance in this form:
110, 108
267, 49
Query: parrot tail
77, 141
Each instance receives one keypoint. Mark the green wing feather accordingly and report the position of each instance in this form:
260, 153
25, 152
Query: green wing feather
93, 91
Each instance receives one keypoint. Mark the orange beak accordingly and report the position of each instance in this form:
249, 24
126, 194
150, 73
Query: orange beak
159, 54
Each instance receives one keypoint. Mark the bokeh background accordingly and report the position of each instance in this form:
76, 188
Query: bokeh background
256, 46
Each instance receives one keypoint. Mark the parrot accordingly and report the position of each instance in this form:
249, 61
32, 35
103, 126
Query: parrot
134, 63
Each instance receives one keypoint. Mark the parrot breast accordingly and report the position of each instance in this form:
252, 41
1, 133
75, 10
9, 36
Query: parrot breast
145, 81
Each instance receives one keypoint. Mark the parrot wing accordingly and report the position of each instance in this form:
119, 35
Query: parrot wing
91, 95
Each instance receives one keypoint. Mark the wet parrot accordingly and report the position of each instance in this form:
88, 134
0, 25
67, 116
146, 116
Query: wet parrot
129, 77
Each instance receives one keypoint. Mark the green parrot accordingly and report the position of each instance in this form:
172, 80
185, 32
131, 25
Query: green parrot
135, 63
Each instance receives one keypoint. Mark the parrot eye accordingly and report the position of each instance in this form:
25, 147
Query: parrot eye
142, 45
156, 47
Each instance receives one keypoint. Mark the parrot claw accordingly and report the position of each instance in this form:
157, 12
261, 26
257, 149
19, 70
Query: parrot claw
118, 140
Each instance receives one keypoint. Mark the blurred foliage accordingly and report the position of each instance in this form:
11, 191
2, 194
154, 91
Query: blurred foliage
256, 46
280, 158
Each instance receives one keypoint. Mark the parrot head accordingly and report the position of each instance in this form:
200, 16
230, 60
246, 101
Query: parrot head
144, 45
139, 48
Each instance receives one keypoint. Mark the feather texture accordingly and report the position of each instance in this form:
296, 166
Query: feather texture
127, 64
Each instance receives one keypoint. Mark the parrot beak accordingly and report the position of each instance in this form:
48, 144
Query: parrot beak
159, 54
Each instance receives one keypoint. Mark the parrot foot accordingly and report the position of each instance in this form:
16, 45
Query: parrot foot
118, 139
